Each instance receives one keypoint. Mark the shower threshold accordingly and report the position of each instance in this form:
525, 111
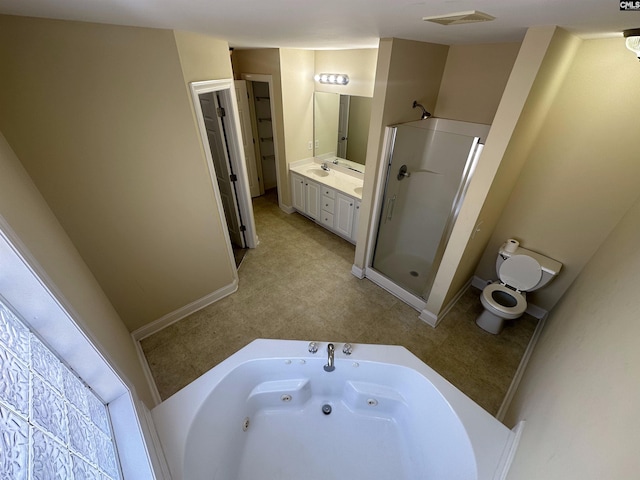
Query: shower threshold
394, 289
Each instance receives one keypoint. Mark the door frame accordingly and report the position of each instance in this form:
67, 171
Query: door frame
257, 77
225, 88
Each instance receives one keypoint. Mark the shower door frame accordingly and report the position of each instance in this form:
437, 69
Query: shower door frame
409, 298
416, 302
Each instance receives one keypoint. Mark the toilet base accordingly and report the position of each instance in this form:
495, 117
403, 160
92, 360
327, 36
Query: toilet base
490, 322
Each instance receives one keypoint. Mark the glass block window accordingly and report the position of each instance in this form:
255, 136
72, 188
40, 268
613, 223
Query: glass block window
52, 425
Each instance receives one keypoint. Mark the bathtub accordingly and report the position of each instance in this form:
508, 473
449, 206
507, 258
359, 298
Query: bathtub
271, 411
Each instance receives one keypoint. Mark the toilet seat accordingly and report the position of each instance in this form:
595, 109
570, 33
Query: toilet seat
504, 311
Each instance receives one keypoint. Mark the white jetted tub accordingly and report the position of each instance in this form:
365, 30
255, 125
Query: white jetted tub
272, 412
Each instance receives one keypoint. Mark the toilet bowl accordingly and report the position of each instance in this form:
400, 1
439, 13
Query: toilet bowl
520, 271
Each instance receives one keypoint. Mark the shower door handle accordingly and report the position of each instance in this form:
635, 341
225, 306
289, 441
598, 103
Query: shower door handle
390, 206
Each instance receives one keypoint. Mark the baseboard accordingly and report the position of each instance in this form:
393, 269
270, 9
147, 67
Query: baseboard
509, 455
179, 314
429, 318
479, 283
286, 208
515, 382
157, 399
433, 320
357, 272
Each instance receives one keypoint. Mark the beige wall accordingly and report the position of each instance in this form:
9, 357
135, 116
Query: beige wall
542, 62
580, 392
359, 64
297, 102
27, 213
406, 71
474, 80
582, 172
100, 117
202, 57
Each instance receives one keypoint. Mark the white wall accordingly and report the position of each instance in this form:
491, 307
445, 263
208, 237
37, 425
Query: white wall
581, 391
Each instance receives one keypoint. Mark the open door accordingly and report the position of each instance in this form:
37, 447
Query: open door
212, 114
254, 170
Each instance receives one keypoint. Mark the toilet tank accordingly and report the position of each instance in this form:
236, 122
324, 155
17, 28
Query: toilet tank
550, 267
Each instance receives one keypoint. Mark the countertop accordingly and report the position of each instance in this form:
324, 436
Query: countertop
338, 178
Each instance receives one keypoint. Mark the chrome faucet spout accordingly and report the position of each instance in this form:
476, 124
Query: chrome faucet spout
325, 167
330, 353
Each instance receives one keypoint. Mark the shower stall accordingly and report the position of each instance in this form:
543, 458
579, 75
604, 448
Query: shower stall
429, 166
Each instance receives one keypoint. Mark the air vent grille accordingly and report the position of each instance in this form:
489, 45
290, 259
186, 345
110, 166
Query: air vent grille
471, 16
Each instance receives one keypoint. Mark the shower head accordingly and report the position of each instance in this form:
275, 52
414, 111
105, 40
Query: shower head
425, 114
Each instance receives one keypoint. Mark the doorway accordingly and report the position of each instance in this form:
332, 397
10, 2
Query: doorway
264, 127
217, 114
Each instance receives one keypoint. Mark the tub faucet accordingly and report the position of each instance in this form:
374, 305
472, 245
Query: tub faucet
325, 167
330, 352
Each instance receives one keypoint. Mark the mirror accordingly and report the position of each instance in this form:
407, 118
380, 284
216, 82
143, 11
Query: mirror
341, 128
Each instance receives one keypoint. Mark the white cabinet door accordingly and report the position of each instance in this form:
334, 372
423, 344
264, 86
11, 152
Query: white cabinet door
312, 199
343, 221
298, 191
356, 219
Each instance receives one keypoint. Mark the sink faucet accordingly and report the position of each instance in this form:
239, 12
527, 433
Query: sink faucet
324, 166
330, 352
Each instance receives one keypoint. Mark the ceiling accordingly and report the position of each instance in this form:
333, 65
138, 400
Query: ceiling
331, 24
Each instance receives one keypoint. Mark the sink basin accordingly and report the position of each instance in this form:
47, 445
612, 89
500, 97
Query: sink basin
318, 172
358, 190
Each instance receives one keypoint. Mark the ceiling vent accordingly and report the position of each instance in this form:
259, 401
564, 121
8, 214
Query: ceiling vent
471, 16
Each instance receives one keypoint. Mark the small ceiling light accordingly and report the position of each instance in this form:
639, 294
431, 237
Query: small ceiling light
633, 40
459, 18
332, 78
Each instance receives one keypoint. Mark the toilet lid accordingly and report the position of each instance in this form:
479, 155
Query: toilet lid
520, 272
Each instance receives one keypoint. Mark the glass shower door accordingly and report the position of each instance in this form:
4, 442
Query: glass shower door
427, 177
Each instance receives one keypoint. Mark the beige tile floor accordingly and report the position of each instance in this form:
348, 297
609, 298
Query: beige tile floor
298, 285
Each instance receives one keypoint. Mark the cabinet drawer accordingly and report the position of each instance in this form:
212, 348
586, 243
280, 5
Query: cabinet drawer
328, 204
328, 192
326, 219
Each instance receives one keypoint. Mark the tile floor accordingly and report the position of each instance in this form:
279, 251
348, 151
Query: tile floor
298, 285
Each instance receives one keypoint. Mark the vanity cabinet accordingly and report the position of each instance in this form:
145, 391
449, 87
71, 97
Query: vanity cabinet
345, 208
306, 196
329, 207
356, 219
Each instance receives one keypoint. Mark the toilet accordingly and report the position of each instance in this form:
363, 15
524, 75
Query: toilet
520, 271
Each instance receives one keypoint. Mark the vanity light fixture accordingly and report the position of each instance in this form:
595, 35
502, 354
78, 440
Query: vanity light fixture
332, 78
633, 40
